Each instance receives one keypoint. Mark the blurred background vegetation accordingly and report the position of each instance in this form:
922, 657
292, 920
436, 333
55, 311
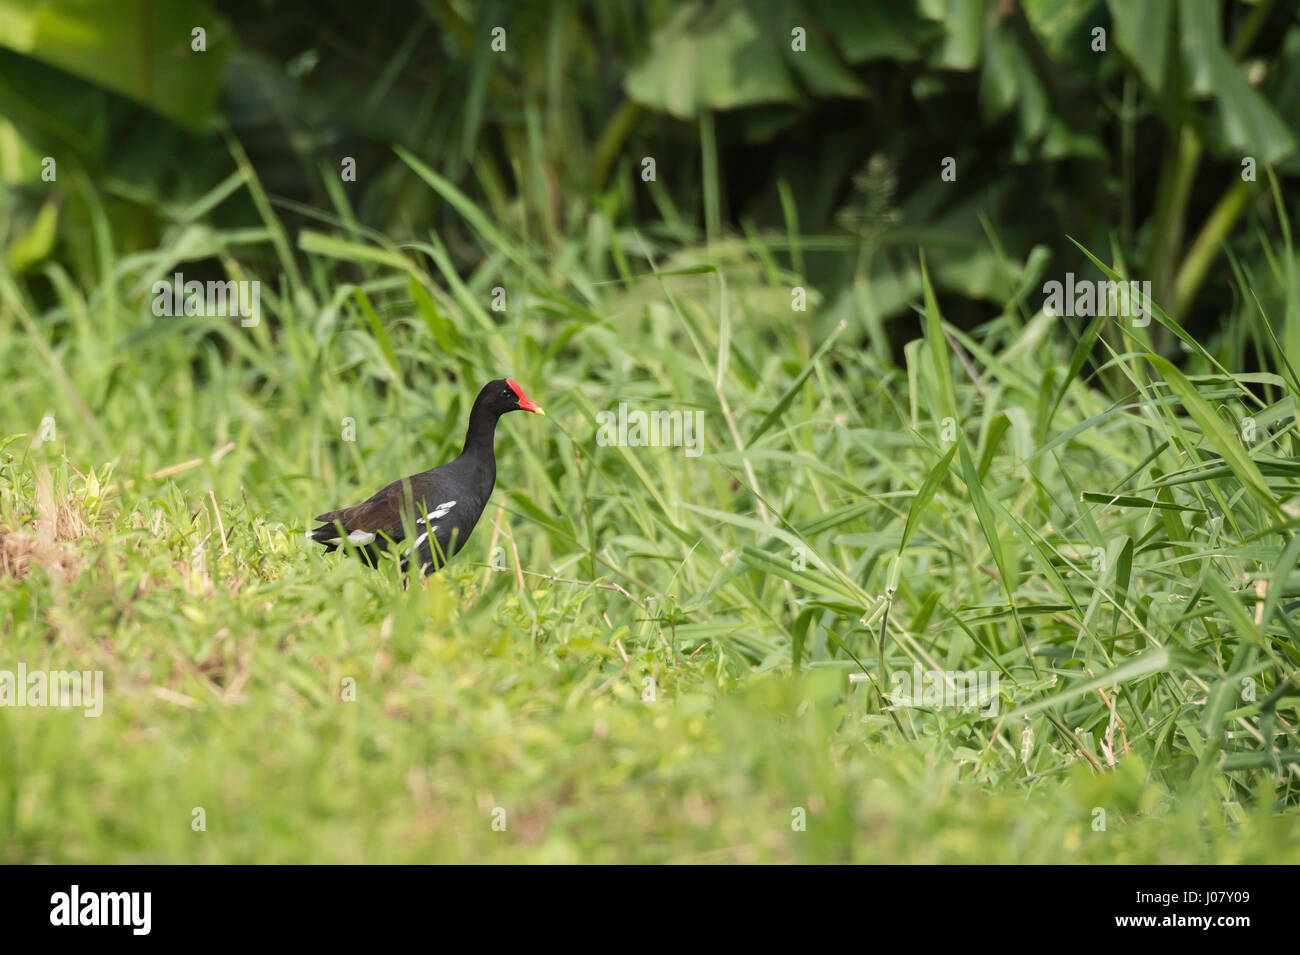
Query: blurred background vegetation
1131, 143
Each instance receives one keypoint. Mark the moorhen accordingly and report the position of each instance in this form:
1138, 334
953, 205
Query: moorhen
440, 506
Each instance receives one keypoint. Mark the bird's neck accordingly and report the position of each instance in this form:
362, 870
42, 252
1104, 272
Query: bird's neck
481, 434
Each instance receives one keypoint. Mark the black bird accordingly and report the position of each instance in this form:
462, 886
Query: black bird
439, 507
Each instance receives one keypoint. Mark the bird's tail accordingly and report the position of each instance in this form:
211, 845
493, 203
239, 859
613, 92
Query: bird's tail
327, 535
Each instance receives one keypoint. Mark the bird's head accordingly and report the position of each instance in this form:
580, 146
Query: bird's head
505, 395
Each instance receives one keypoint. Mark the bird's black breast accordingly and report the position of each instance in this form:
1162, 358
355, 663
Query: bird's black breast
442, 529
439, 509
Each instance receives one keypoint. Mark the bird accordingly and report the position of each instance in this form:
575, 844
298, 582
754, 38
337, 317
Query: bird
438, 507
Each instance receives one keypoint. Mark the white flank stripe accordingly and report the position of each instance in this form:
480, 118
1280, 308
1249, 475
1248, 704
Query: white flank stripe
360, 537
428, 519
420, 540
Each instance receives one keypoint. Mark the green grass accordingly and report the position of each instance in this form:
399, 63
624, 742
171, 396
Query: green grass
1096, 536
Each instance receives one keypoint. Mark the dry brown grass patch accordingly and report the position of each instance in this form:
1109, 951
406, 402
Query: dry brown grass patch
19, 552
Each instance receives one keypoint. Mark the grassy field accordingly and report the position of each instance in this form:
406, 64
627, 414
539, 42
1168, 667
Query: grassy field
642, 655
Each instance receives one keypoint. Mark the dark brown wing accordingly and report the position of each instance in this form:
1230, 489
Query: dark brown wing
372, 523
367, 522
380, 512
